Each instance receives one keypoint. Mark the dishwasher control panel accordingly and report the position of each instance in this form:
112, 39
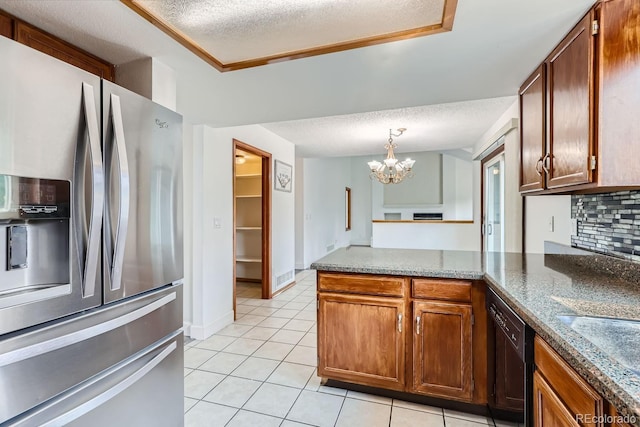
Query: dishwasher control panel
511, 325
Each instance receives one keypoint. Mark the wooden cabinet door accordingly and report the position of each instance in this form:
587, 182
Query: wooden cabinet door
442, 350
6, 25
619, 96
39, 40
548, 410
361, 340
533, 142
509, 375
570, 108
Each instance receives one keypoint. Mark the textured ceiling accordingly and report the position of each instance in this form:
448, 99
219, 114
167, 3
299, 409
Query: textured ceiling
432, 127
242, 30
493, 47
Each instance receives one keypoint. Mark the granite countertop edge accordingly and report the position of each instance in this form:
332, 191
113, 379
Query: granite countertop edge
602, 382
401, 271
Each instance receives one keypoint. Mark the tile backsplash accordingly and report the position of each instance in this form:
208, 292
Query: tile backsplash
608, 223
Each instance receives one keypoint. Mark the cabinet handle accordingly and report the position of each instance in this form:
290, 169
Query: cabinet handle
418, 325
544, 163
399, 322
539, 166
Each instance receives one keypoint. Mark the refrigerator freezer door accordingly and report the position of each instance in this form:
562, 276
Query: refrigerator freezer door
142, 148
49, 129
43, 362
145, 391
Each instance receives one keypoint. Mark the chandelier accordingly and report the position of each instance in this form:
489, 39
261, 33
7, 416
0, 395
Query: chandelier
391, 171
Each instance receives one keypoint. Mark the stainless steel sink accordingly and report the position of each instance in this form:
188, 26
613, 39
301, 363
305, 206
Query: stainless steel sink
618, 338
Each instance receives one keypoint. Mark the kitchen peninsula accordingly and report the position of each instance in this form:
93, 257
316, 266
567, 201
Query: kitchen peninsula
379, 296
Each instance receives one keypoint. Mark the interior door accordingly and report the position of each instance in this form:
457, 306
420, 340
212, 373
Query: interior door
493, 226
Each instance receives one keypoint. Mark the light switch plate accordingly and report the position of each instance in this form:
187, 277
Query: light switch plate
574, 227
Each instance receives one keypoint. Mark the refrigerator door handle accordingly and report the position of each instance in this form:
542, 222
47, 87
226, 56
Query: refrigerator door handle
123, 215
97, 193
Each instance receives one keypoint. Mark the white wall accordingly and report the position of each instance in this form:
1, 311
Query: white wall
434, 236
457, 191
212, 253
538, 213
324, 206
458, 237
299, 212
150, 78
360, 201
457, 194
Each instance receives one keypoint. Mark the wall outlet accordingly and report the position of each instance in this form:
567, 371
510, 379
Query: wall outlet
217, 223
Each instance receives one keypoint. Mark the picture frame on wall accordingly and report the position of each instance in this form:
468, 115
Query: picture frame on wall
283, 176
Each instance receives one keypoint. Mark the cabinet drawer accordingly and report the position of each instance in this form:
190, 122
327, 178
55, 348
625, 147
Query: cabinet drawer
361, 284
442, 289
578, 396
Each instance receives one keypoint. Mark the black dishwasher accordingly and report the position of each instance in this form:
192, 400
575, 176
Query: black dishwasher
510, 345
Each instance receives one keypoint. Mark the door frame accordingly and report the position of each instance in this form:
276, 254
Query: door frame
266, 217
488, 158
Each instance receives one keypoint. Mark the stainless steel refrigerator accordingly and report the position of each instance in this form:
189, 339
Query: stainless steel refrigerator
91, 242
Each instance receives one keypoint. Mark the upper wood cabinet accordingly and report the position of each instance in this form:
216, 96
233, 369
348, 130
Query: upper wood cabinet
6, 25
588, 86
39, 40
619, 97
556, 110
570, 90
533, 139
35, 38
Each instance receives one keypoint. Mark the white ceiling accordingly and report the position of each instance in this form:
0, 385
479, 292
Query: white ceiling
492, 48
430, 127
243, 30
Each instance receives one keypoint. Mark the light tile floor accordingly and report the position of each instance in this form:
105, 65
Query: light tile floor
261, 371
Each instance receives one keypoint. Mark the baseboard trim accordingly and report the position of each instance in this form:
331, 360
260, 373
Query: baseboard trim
284, 288
186, 329
199, 332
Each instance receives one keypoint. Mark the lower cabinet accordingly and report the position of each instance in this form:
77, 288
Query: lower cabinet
561, 396
548, 407
442, 351
408, 335
361, 339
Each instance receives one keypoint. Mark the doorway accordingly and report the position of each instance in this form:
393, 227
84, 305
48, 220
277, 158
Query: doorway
493, 201
252, 222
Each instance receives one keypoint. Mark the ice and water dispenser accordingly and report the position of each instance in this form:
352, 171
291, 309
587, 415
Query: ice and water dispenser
34, 224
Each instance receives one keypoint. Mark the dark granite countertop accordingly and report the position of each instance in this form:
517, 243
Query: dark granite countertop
539, 288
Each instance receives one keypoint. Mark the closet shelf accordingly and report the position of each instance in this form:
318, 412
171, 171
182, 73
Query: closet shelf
248, 196
248, 228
